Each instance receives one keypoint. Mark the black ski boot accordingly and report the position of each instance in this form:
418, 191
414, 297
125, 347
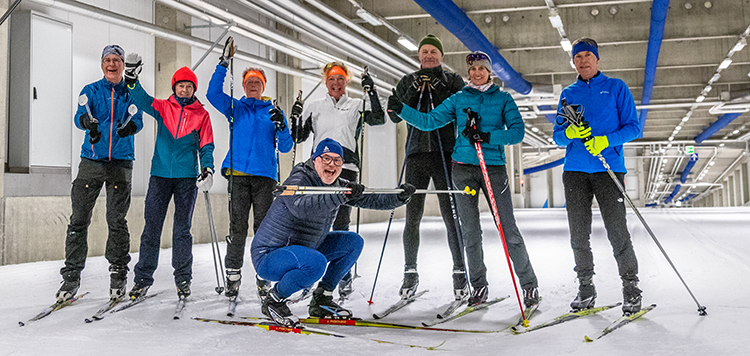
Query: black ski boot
345, 286
410, 283
323, 306
264, 287
234, 279
69, 287
460, 286
530, 296
139, 290
479, 296
118, 279
631, 297
586, 297
274, 306
183, 289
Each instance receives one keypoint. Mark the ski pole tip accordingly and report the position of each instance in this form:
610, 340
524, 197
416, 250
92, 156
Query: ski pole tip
470, 191
525, 323
370, 302
702, 311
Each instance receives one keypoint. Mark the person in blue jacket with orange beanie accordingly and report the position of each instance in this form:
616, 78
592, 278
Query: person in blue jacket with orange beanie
184, 139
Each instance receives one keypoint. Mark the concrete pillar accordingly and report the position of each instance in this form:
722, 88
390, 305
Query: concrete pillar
169, 55
3, 119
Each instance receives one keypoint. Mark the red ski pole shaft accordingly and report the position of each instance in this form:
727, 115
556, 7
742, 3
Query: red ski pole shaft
496, 215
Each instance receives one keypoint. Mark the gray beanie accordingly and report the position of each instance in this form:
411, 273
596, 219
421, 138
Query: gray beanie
113, 49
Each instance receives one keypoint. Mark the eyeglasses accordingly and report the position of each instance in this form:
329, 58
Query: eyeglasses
337, 161
476, 56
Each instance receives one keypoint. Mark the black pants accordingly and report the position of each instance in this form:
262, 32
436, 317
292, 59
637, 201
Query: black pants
580, 189
467, 175
254, 192
92, 175
344, 216
420, 167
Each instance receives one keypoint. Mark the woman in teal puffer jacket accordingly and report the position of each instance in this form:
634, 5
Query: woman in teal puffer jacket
499, 123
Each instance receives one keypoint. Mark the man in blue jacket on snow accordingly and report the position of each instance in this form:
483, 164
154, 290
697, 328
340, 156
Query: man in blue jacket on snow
612, 120
294, 245
106, 157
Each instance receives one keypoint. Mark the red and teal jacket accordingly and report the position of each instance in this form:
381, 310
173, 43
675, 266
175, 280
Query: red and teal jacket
109, 104
183, 136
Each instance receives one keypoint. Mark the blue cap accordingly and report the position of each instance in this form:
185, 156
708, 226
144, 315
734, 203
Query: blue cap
583, 46
328, 145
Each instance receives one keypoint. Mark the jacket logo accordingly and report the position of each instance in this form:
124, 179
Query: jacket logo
604, 92
326, 150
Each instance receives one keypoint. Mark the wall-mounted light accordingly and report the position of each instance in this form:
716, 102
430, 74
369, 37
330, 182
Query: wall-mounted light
370, 18
408, 43
725, 64
566, 45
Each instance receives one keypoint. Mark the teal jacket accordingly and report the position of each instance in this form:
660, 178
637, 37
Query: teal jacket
499, 116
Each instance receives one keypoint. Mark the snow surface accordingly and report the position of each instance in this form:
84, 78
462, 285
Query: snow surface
710, 248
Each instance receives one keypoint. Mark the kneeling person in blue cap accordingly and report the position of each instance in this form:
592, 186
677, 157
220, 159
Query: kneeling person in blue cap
294, 245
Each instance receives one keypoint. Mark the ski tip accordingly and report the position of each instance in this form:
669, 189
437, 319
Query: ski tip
21, 323
374, 316
587, 339
88, 321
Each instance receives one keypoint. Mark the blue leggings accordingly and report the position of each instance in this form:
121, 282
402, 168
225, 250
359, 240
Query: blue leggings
296, 267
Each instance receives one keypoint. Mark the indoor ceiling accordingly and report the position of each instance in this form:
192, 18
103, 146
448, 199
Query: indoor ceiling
692, 85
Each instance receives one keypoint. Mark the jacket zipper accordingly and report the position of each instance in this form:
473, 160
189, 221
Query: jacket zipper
111, 120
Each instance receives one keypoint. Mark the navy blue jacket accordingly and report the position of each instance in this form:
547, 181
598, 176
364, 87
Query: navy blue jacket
306, 219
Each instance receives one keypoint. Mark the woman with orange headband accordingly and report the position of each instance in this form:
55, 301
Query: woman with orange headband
338, 117
257, 126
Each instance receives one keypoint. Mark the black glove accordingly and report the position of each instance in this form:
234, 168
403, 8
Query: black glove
127, 129
94, 134
394, 103
472, 131
133, 67
228, 52
357, 190
297, 109
367, 83
277, 117
409, 190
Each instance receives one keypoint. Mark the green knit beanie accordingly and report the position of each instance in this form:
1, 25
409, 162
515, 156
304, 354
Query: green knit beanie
432, 40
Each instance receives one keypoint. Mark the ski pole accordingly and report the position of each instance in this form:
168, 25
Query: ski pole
308, 191
230, 43
276, 146
496, 215
132, 110
296, 131
361, 127
83, 100
568, 109
215, 251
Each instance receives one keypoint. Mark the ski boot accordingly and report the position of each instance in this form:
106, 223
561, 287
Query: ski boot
460, 287
69, 287
323, 306
586, 297
274, 306
530, 296
264, 287
345, 286
183, 289
410, 283
118, 279
479, 296
139, 290
234, 279
631, 297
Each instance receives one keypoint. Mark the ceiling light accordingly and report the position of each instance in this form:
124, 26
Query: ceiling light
707, 4
716, 77
722, 145
671, 138
370, 18
735, 132
711, 163
740, 45
506, 18
685, 119
594, 12
534, 129
707, 89
572, 65
566, 46
688, 6
487, 19
725, 64
612, 10
669, 145
408, 43
700, 99
554, 19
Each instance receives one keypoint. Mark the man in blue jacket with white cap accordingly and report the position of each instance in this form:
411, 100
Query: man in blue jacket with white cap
611, 121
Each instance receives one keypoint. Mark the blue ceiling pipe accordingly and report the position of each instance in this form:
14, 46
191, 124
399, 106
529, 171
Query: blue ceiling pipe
455, 20
676, 190
717, 125
656, 34
544, 167
688, 167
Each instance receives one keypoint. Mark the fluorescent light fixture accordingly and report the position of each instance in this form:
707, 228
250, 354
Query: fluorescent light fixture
700, 99
716, 78
566, 45
370, 18
572, 65
707, 89
685, 119
671, 138
555, 20
534, 130
725, 64
740, 45
408, 43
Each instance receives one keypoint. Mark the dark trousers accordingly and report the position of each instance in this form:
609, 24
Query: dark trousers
296, 267
160, 192
344, 216
420, 167
580, 189
465, 175
254, 192
92, 175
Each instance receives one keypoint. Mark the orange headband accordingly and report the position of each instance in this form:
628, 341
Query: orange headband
337, 70
255, 73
